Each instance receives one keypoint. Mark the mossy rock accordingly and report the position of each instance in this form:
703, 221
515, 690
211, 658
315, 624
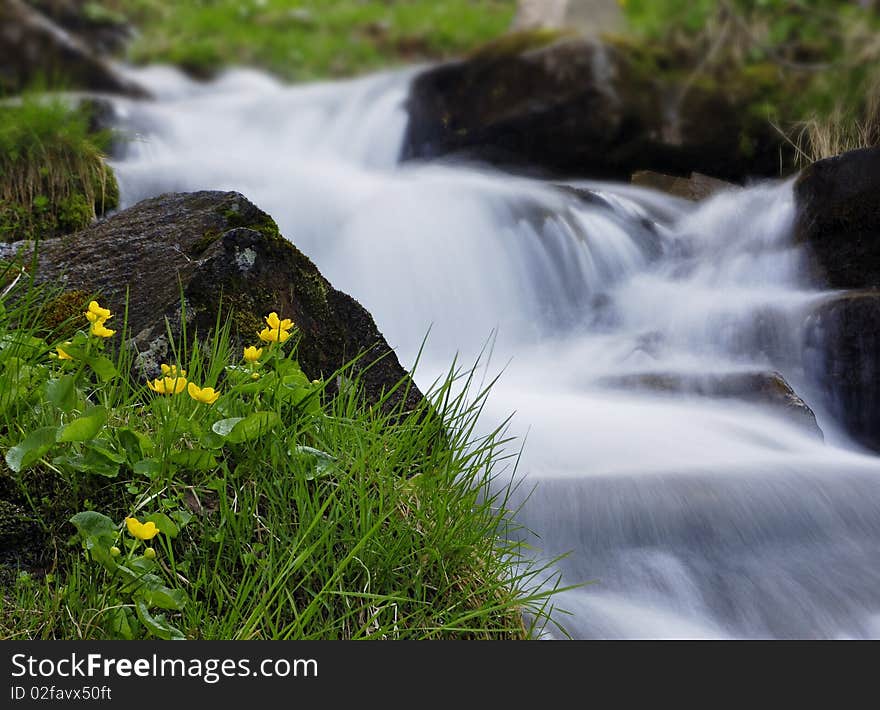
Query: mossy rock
218, 251
579, 107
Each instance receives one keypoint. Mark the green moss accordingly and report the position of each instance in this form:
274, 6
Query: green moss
53, 178
62, 315
262, 223
245, 322
516, 43
200, 246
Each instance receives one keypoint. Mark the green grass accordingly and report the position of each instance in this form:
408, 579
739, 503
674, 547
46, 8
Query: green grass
53, 179
808, 66
309, 39
316, 516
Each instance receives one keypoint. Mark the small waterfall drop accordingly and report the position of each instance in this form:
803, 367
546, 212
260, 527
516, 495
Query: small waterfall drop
692, 513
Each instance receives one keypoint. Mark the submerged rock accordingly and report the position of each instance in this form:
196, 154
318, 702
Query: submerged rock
843, 356
838, 203
34, 48
759, 387
581, 107
694, 188
216, 249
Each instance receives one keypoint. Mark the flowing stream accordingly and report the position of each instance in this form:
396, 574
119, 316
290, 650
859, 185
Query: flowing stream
689, 515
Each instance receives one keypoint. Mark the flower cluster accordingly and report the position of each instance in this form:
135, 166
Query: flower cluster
173, 381
278, 331
97, 316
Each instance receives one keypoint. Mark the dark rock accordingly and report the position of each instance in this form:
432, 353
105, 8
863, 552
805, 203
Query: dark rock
695, 188
103, 31
217, 248
33, 48
583, 108
759, 387
838, 202
843, 356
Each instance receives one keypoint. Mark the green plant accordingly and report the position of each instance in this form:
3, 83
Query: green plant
283, 507
53, 178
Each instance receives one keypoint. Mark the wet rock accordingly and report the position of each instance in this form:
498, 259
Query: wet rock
694, 188
759, 387
838, 202
34, 48
843, 356
582, 107
217, 249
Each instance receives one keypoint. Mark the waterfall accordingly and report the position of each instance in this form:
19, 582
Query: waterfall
624, 320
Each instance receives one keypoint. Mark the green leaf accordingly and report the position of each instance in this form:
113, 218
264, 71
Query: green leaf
194, 460
135, 444
98, 534
122, 623
102, 366
164, 598
62, 392
90, 523
324, 463
100, 461
148, 467
253, 426
35, 445
164, 523
157, 625
224, 426
182, 518
85, 427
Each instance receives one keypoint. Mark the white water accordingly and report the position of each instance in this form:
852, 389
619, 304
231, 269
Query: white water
692, 516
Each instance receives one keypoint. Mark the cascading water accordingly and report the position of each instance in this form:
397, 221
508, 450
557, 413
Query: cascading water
691, 515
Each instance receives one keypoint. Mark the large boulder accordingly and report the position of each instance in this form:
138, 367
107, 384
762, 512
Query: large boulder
217, 249
581, 107
838, 203
842, 354
764, 388
33, 48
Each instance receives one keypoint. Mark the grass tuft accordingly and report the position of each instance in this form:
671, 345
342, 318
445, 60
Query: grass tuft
284, 511
53, 179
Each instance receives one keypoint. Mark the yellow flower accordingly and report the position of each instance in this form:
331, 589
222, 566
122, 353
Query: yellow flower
278, 330
275, 323
168, 385
96, 314
252, 354
172, 371
101, 331
61, 354
205, 395
274, 336
142, 531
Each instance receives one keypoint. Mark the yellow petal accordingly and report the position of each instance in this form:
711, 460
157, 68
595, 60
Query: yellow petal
252, 354
142, 531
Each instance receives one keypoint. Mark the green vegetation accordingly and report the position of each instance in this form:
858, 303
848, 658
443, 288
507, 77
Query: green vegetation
809, 66
233, 498
53, 179
309, 39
